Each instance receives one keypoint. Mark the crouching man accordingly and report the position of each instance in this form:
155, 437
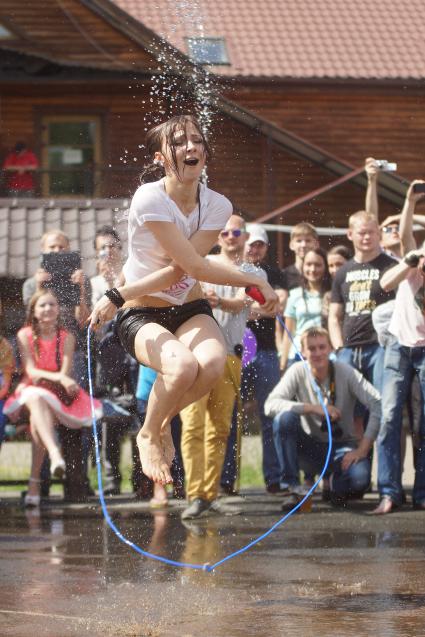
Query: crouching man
300, 428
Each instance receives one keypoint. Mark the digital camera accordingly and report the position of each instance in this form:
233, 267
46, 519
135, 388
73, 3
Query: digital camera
386, 165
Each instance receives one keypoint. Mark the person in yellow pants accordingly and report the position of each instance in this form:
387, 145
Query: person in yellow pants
206, 426
206, 422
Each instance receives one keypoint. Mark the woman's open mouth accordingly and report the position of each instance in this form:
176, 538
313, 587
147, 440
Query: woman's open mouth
192, 161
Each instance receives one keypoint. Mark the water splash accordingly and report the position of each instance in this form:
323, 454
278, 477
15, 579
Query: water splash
167, 85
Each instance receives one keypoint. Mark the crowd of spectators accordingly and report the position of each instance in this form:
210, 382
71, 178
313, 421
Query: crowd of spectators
356, 314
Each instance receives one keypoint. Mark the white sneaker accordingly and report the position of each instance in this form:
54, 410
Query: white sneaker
299, 489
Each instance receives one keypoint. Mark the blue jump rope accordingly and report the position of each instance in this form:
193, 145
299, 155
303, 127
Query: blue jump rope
202, 567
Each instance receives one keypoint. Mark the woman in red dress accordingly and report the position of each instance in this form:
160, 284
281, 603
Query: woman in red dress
47, 390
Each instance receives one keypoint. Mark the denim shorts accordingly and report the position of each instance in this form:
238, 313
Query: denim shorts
130, 320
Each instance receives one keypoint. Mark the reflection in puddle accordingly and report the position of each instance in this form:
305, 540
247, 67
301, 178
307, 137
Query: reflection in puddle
356, 602
67, 570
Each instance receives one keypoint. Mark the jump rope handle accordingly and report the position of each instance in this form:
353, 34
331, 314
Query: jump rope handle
255, 294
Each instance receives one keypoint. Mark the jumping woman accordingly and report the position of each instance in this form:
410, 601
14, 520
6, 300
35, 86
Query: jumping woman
164, 321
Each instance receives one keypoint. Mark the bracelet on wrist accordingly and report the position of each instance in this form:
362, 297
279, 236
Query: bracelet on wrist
115, 297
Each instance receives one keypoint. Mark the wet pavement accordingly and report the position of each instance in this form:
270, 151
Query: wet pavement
340, 572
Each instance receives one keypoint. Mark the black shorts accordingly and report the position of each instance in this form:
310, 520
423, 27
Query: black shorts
130, 320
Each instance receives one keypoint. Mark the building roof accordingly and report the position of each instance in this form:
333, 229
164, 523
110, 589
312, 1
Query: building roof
22, 220
298, 39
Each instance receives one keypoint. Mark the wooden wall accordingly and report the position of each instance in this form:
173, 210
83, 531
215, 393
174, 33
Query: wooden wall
256, 175
348, 120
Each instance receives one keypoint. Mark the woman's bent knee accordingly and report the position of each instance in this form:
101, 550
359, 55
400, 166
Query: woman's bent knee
182, 372
36, 402
360, 475
214, 367
286, 422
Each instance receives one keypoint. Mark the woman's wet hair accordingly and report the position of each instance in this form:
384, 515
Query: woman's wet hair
163, 135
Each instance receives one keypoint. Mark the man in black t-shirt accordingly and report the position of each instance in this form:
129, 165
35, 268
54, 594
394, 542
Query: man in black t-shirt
356, 292
262, 374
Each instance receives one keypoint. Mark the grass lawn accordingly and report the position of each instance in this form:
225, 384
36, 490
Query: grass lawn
15, 458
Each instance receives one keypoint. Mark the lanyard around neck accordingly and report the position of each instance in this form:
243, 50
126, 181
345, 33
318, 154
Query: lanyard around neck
330, 393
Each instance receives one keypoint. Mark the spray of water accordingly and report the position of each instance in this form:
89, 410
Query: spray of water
167, 83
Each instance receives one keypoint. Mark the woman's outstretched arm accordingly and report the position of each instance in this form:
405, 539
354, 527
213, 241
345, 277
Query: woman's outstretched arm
185, 254
187, 258
202, 241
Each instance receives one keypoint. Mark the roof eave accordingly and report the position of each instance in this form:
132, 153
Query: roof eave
325, 79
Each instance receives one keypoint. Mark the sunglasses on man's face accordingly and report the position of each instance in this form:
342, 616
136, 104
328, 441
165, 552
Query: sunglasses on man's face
389, 229
234, 233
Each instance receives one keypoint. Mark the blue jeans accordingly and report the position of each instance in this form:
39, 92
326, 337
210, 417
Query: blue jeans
400, 364
368, 359
259, 377
295, 448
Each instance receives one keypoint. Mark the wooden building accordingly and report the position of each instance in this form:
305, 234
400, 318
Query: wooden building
294, 107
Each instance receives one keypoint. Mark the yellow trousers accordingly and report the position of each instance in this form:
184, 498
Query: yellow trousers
205, 430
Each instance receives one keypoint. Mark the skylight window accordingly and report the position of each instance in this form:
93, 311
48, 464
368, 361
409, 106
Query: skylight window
208, 50
5, 34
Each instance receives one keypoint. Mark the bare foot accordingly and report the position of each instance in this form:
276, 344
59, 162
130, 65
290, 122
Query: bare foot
152, 459
167, 444
160, 497
385, 506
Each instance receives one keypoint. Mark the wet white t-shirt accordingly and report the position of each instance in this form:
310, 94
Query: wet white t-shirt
145, 253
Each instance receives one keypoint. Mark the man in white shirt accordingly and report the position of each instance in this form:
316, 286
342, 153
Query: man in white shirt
404, 357
107, 244
299, 426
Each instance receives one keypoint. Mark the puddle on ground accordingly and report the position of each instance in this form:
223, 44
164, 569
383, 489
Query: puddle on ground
66, 573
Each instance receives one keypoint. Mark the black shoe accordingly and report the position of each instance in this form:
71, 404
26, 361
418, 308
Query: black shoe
276, 489
220, 508
109, 491
195, 509
338, 500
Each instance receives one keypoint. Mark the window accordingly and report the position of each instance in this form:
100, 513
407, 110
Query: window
208, 50
71, 152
